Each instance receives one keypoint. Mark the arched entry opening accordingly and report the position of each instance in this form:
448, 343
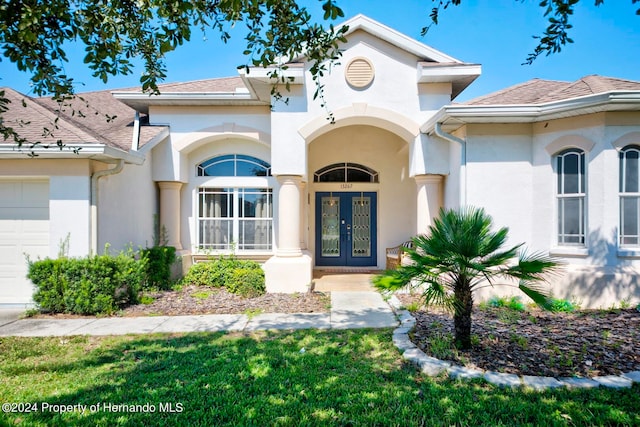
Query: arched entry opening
346, 221
361, 197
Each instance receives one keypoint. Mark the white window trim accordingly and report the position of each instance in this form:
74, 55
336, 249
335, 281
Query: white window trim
570, 249
262, 182
626, 250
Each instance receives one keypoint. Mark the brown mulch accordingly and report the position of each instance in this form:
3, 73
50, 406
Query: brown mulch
584, 343
203, 300
195, 300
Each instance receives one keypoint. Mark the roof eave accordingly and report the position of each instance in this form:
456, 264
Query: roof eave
141, 101
98, 152
459, 75
465, 114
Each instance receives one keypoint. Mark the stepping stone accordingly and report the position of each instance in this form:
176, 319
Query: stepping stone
541, 383
614, 381
503, 380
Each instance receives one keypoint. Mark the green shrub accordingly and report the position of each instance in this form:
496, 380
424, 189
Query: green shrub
50, 281
158, 266
247, 281
200, 274
562, 305
513, 303
215, 274
99, 284
244, 278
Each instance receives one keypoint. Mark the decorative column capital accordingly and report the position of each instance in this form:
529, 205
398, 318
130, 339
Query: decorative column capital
289, 179
429, 179
169, 185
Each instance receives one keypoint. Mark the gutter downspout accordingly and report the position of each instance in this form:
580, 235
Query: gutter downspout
463, 160
94, 202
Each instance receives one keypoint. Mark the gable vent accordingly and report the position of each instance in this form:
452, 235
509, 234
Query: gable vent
359, 73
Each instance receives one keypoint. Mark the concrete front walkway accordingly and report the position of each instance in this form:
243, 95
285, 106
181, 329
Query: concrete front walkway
362, 308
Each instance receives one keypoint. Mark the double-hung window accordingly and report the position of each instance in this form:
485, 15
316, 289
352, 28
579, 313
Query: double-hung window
629, 196
571, 195
235, 217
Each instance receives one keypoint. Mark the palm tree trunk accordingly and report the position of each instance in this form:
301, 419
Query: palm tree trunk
462, 315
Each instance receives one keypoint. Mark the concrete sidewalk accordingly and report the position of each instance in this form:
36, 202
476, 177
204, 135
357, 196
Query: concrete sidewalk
349, 310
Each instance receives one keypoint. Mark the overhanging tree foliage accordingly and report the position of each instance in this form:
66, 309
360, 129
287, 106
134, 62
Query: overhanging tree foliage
35, 35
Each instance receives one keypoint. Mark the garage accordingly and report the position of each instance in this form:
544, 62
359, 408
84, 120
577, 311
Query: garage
24, 231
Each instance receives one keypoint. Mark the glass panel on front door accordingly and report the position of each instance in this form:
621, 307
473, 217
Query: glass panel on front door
346, 229
330, 224
361, 226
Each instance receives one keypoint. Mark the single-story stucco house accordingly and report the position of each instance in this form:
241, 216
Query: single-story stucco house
224, 169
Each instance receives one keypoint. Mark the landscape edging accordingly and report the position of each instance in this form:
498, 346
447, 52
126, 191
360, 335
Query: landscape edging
434, 367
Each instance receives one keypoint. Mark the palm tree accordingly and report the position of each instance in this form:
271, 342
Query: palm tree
461, 254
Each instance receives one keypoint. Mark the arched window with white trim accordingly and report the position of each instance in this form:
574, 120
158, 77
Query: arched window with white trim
630, 196
234, 217
345, 172
571, 197
234, 165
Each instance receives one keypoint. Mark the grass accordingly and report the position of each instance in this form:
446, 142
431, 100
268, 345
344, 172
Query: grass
346, 377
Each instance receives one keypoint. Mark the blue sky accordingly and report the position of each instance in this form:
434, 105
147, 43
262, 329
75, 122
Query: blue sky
494, 33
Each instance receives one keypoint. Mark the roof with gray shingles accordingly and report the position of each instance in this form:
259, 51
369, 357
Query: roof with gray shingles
82, 120
538, 91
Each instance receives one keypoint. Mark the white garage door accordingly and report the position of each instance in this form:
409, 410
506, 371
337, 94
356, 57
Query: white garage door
24, 230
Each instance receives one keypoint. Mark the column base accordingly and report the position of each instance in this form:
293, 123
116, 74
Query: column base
289, 274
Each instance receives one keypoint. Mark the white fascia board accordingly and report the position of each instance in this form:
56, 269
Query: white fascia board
197, 97
361, 22
155, 141
99, 152
293, 75
609, 101
447, 73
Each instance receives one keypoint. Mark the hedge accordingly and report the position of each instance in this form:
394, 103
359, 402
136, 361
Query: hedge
100, 284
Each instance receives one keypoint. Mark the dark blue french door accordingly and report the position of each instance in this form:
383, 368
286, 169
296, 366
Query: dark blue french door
346, 229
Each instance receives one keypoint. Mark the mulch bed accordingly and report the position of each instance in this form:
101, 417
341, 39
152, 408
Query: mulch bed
584, 343
202, 300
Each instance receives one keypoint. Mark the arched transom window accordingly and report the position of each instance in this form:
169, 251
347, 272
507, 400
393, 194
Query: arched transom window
234, 165
345, 172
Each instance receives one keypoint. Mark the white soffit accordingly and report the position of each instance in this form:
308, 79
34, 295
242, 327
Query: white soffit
436, 73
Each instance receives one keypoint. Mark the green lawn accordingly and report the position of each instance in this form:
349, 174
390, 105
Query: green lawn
341, 378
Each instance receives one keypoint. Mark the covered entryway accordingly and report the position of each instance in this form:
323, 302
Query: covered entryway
24, 231
346, 232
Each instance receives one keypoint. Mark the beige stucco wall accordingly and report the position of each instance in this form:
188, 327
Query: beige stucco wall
388, 155
127, 206
515, 163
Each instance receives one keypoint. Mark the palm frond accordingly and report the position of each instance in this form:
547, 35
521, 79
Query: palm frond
534, 291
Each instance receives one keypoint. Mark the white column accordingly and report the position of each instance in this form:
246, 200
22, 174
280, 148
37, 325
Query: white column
289, 216
304, 216
429, 200
170, 212
291, 269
